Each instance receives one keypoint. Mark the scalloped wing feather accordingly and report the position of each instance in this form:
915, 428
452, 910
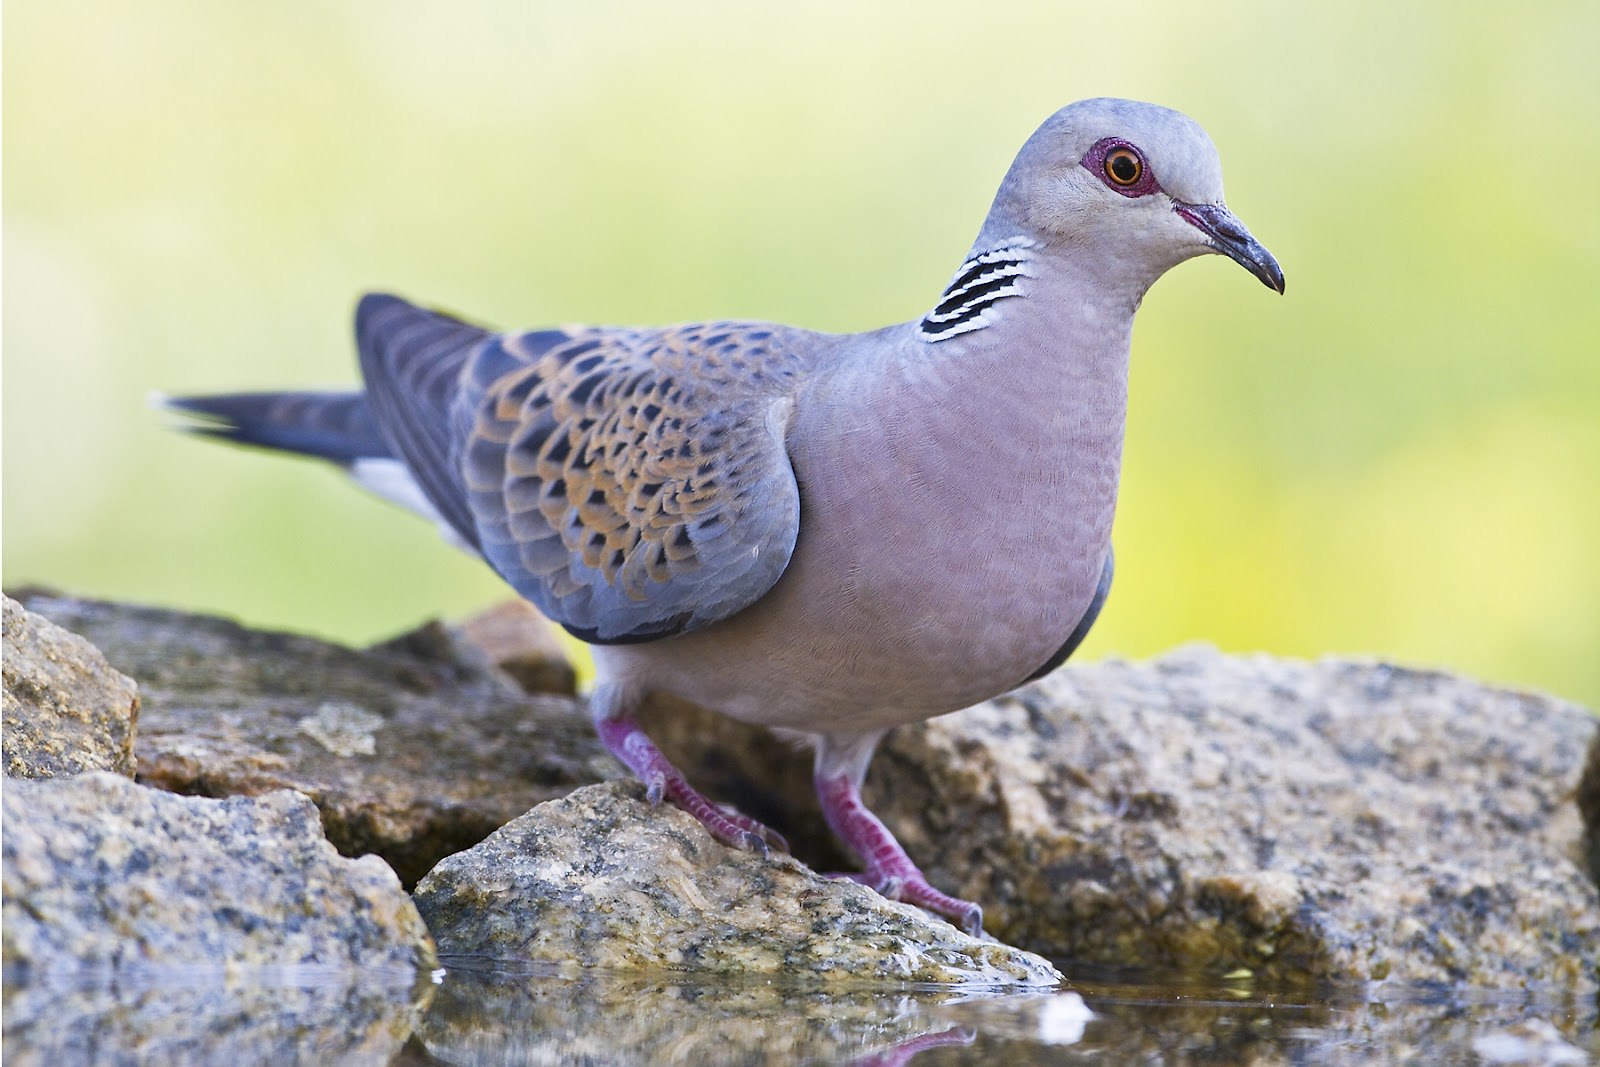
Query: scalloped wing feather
633, 484
411, 361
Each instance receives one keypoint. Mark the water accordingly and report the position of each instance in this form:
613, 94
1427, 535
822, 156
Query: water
478, 1012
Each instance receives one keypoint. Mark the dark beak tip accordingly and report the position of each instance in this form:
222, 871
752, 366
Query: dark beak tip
1229, 237
1258, 261
1250, 255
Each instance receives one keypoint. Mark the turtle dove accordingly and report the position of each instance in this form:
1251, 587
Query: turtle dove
829, 534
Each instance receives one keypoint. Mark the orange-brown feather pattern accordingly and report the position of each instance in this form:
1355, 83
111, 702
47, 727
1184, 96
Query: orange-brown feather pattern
638, 450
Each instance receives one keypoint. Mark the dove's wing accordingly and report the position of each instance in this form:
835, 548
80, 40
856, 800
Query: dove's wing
633, 484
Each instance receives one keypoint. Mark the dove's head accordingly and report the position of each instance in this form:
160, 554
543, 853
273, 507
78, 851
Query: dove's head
1136, 185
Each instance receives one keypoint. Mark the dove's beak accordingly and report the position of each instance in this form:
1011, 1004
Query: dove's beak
1229, 237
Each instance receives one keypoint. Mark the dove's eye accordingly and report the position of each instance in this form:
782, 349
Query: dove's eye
1120, 167
1124, 167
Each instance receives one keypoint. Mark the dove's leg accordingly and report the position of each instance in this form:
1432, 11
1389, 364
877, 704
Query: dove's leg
625, 739
841, 768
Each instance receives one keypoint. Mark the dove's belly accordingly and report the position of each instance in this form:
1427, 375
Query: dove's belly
838, 649
832, 652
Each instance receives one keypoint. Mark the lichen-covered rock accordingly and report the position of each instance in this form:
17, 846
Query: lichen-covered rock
1330, 820
102, 874
523, 643
412, 750
65, 709
1302, 820
601, 879
202, 1016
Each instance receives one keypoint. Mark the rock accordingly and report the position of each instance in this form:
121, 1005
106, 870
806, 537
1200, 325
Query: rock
308, 1016
1589, 807
1298, 821
601, 879
1334, 820
101, 874
523, 643
65, 709
412, 750
1337, 820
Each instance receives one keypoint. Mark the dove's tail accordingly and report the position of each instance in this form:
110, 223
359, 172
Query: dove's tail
335, 426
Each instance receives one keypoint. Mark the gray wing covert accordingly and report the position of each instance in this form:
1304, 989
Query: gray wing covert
633, 484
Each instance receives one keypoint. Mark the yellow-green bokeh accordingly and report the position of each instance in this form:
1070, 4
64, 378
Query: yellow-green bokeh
1400, 457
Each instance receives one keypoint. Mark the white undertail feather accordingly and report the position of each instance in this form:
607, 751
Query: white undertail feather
390, 480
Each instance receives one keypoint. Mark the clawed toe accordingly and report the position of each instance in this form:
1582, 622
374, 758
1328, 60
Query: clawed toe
625, 740
654, 789
914, 889
766, 834
729, 827
889, 870
962, 913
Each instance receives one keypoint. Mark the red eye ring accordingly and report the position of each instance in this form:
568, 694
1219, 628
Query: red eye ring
1123, 167
1120, 167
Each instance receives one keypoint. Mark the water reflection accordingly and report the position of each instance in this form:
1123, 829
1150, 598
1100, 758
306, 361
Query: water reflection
208, 1016
1163, 1019
493, 1014
483, 1016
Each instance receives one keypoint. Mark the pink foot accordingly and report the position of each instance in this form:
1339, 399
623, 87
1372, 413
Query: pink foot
889, 870
627, 741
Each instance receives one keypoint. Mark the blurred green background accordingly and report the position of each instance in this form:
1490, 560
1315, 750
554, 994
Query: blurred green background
1401, 457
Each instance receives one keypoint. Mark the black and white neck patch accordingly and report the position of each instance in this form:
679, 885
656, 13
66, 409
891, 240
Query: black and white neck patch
983, 280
